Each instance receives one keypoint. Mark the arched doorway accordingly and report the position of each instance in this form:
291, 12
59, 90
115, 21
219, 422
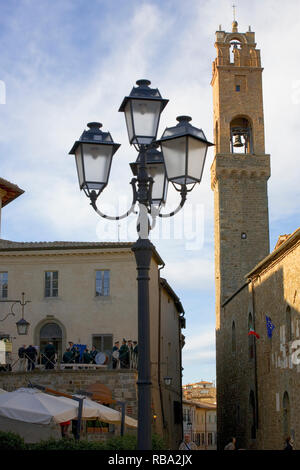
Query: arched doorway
252, 415
286, 415
51, 331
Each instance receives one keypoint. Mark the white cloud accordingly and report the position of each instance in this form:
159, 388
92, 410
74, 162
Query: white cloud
200, 347
194, 273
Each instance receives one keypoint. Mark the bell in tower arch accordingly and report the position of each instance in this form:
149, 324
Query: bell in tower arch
237, 142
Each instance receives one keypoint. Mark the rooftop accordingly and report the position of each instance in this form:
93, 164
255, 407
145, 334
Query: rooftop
11, 191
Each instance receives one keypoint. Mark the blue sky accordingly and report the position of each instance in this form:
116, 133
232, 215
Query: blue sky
69, 62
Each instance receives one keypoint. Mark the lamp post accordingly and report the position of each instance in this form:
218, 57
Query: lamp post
180, 161
22, 324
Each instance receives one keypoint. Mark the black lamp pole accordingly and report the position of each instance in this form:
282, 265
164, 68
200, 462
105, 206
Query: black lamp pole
143, 250
181, 162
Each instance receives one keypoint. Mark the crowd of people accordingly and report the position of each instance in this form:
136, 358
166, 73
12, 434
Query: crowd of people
75, 355
124, 356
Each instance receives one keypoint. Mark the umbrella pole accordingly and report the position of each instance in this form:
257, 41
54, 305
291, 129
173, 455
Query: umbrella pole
79, 417
123, 409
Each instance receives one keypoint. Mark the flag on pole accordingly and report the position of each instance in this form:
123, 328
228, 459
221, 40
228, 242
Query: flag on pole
270, 326
252, 332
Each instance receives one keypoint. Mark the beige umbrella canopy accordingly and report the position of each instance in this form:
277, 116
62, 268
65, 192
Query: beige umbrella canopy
92, 409
33, 406
2, 391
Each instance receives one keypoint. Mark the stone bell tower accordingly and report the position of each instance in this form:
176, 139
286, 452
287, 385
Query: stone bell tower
241, 168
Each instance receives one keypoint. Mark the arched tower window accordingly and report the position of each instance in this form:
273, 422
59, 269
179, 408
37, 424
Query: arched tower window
233, 338
252, 415
288, 321
241, 135
235, 47
286, 415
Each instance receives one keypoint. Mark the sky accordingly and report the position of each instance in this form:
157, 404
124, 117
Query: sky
69, 62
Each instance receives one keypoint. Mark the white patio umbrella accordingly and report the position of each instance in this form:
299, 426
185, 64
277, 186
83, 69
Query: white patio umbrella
3, 391
33, 406
92, 409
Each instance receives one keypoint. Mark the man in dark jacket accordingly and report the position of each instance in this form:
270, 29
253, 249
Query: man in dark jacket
22, 358
135, 355
50, 355
115, 355
86, 357
31, 354
124, 355
93, 354
68, 357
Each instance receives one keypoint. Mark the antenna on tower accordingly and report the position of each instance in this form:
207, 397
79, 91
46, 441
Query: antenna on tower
234, 7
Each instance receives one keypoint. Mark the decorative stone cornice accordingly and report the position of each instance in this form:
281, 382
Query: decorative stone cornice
63, 248
240, 166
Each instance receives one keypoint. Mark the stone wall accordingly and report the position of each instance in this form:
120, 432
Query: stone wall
271, 372
122, 383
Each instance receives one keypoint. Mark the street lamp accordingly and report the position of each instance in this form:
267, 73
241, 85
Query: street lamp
181, 161
168, 381
22, 324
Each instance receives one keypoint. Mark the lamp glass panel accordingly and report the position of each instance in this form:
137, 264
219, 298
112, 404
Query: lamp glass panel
159, 188
97, 160
79, 166
22, 327
174, 152
145, 117
129, 123
196, 158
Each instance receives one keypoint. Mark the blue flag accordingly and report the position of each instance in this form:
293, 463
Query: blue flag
270, 326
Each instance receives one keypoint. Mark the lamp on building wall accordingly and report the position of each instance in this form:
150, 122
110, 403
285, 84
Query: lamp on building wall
168, 381
180, 160
22, 324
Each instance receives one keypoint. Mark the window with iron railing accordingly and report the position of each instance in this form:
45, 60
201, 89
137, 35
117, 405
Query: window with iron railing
3, 285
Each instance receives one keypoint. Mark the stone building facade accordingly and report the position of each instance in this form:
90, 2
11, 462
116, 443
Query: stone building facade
200, 391
87, 293
200, 422
256, 393
260, 375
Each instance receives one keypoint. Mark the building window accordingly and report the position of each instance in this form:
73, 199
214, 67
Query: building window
288, 324
51, 283
238, 414
103, 343
210, 438
186, 415
102, 283
240, 83
233, 338
202, 439
252, 413
177, 412
286, 415
3, 285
